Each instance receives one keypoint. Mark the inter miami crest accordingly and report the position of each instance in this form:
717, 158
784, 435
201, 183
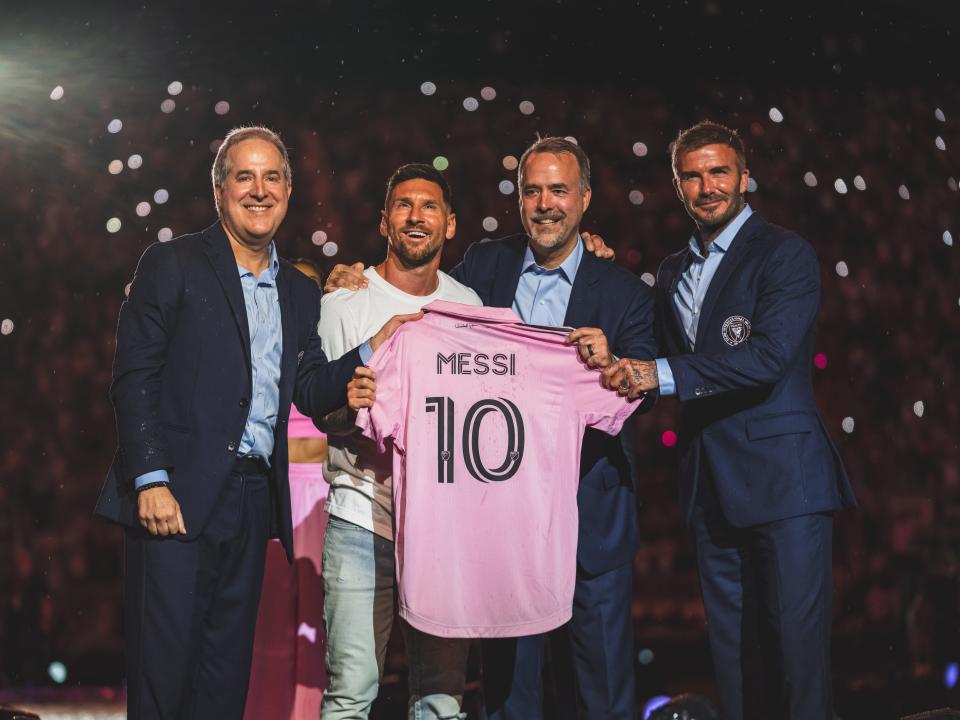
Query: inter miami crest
736, 329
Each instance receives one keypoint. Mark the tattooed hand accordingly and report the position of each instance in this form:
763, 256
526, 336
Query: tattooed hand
632, 378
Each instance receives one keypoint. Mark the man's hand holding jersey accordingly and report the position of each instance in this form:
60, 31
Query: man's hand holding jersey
632, 378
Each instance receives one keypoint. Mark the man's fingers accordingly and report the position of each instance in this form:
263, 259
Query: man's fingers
180, 526
401, 319
362, 371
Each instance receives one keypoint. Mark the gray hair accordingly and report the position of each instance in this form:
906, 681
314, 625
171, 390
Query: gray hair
221, 166
556, 146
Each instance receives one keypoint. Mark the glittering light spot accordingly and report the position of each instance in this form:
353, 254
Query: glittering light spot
657, 701
842, 269
222, 107
938, 114
809, 179
952, 183
330, 248
115, 167
645, 656
636, 197
134, 162
56, 93
859, 183
470, 104
175, 88
847, 425
669, 438
918, 408
751, 185
952, 671
941, 145
441, 163
490, 224
571, 138
319, 237
947, 238
307, 631
143, 209
820, 361
165, 234
903, 192
113, 225
640, 149
161, 196
649, 279
505, 187
6, 327
776, 115
126, 289
428, 88
526, 107
168, 105
57, 672
215, 145
488, 93
115, 126
840, 186
510, 162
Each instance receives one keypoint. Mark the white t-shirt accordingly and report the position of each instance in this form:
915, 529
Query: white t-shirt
361, 489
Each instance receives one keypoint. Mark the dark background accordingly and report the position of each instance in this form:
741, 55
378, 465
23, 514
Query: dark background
858, 89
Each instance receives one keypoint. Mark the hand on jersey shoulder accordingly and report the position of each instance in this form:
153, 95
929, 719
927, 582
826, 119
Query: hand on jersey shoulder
595, 244
345, 276
390, 327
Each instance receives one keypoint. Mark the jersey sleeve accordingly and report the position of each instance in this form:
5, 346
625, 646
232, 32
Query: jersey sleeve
599, 408
385, 419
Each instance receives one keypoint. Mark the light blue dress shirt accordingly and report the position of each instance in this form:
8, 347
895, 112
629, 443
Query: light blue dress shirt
692, 289
543, 295
262, 302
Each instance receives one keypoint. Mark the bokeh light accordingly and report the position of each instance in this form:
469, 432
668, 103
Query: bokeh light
941, 145
57, 672
441, 163
668, 438
918, 408
428, 88
505, 187
752, 184
840, 186
809, 179
842, 269
319, 237
115, 167
168, 105
143, 209
527, 107
490, 224
649, 278
56, 93
470, 104
903, 192
115, 126
636, 197
847, 425
175, 88
488, 93
654, 703
6, 326
330, 248
165, 234
938, 114
510, 162
161, 196
645, 656
134, 162
113, 225
859, 183
820, 361
950, 674
222, 107
776, 115
640, 149
947, 238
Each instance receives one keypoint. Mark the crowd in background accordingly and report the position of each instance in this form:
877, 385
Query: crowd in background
888, 328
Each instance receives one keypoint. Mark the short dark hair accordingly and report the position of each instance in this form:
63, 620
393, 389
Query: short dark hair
419, 171
555, 146
221, 163
707, 132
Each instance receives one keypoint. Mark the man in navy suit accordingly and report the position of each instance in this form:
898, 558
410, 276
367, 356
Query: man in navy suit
217, 337
549, 277
759, 476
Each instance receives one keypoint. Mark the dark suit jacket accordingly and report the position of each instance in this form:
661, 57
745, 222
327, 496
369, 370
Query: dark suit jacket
615, 300
748, 411
182, 377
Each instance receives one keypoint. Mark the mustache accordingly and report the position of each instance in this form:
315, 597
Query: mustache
548, 216
704, 199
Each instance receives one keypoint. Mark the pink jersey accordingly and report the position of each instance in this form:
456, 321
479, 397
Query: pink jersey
486, 416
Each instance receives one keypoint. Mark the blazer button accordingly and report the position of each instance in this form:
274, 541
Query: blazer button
244, 402
231, 446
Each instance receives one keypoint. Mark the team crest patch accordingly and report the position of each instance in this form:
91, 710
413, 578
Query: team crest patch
736, 329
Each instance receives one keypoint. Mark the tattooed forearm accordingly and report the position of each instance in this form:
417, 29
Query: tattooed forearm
644, 374
339, 422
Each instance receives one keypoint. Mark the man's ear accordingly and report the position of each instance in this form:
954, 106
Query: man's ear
451, 226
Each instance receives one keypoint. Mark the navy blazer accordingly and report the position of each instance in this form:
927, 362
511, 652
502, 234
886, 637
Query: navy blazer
182, 377
748, 411
613, 299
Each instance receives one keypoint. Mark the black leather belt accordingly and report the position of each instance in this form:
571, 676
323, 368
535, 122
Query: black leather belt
252, 464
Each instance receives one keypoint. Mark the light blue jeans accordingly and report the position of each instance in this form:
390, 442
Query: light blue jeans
359, 599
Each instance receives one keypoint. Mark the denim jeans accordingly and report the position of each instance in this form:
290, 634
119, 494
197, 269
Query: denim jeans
359, 599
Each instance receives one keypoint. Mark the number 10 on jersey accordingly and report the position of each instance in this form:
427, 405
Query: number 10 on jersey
470, 440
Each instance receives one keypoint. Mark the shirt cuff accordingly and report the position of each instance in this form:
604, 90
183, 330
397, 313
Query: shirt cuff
154, 476
366, 352
665, 376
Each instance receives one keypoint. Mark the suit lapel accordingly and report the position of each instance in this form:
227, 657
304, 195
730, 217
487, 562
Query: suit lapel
217, 248
735, 254
507, 275
684, 263
288, 323
584, 295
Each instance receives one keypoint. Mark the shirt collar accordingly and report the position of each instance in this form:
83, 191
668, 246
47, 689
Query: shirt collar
722, 242
568, 268
273, 266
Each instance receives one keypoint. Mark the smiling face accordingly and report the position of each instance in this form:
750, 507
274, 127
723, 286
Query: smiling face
552, 204
416, 222
711, 185
254, 195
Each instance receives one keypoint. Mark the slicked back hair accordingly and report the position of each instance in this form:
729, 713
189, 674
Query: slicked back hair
707, 132
419, 171
557, 146
221, 163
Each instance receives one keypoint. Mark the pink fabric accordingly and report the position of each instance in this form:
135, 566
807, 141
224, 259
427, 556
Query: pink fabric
300, 426
288, 676
485, 501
